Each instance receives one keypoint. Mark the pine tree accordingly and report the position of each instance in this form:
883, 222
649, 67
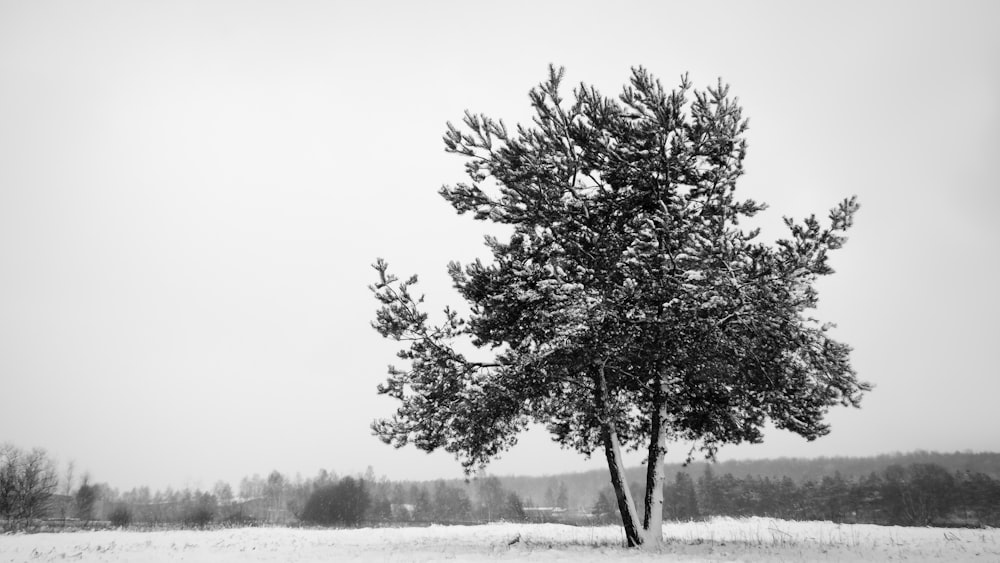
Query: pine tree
562, 498
86, 498
603, 508
629, 307
681, 501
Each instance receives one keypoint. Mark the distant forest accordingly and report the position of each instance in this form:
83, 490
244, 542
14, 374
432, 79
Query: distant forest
921, 488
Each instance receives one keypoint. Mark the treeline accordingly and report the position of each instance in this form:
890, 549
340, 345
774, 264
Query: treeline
33, 493
582, 487
919, 494
323, 500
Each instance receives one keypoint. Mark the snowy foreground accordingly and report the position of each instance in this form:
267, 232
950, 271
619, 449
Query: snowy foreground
721, 539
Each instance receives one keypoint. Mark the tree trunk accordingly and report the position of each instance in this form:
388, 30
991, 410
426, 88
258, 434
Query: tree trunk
650, 533
652, 522
634, 536
616, 465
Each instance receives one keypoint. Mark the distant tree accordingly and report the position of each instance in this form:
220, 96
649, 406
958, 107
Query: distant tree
834, 498
494, 502
27, 481
513, 509
323, 478
9, 469
86, 499
710, 499
918, 494
681, 501
604, 507
491, 497
343, 503
629, 307
423, 507
562, 496
120, 516
200, 509
380, 508
252, 487
321, 508
450, 503
867, 499
550, 494
223, 492
728, 492
787, 494
67, 492
36, 483
275, 490
979, 497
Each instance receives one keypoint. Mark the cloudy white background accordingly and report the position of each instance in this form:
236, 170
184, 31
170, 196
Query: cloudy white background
191, 194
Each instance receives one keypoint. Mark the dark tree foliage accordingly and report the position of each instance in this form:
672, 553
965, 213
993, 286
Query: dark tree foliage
380, 509
513, 508
450, 503
918, 494
200, 510
494, 502
27, 482
680, 499
120, 516
629, 307
86, 498
343, 503
604, 507
913, 495
423, 510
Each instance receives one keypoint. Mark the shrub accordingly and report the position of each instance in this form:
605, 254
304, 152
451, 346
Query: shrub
343, 503
120, 516
199, 516
202, 512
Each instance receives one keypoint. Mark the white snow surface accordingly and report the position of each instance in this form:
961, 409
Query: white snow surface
720, 539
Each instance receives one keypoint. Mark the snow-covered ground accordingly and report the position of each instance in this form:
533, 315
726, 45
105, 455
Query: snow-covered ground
721, 539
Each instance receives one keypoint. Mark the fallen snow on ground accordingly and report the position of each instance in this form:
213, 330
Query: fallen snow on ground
720, 539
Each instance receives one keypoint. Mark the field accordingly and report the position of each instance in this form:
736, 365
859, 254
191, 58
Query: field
721, 539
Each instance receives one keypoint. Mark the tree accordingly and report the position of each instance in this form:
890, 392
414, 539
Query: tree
628, 307
67, 492
120, 516
562, 498
450, 503
223, 492
513, 508
9, 460
491, 497
199, 509
86, 498
683, 501
343, 503
550, 494
275, 492
27, 481
919, 493
604, 508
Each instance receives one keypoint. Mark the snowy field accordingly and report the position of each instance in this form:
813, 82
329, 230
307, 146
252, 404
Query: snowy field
721, 539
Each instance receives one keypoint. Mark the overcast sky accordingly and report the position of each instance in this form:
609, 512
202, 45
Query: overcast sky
191, 194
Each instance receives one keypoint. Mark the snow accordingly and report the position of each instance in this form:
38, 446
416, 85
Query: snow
721, 539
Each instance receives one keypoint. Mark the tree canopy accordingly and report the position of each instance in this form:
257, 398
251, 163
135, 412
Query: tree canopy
630, 306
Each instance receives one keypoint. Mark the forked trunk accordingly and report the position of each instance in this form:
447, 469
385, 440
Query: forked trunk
652, 522
634, 536
648, 533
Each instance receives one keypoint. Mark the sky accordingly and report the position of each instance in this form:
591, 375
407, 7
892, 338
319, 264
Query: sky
192, 193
